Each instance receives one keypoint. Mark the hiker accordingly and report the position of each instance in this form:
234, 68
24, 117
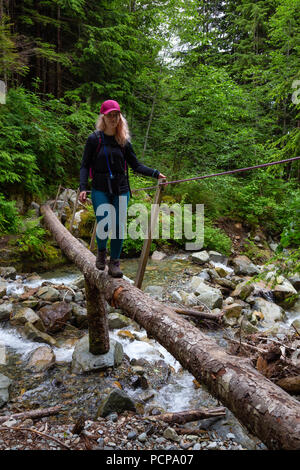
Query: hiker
107, 154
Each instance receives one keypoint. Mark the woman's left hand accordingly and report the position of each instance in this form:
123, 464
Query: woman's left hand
161, 176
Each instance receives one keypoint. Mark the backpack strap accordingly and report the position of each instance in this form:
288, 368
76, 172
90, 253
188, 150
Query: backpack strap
97, 133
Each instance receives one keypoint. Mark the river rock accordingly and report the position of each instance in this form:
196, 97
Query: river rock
3, 287
34, 334
84, 361
175, 296
233, 310
48, 293
284, 294
243, 265
8, 272
4, 389
55, 316
41, 359
171, 435
79, 282
243, 290
188, 298
117, 401
208, 295
158, 256
155, 291
2, 354
21, 315
270, 311
295, 310
295, 281
218, 257
79, 313
117, 320
5, 311
201, 257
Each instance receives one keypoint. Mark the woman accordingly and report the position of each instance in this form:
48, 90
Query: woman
107, 153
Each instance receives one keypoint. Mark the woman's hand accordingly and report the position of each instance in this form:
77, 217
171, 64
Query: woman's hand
82, 197
161, 176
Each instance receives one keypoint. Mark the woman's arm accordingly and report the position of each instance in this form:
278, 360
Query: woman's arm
137, 166
87, 160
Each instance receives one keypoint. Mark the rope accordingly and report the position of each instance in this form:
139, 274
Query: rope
221, 173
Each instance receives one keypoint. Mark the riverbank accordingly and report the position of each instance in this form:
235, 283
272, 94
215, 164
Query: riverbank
154, 382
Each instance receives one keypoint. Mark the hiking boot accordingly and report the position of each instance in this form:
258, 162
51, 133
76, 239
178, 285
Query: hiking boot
100, 260
114, 268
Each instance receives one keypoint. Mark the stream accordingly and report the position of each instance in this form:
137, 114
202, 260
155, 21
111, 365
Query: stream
171, 387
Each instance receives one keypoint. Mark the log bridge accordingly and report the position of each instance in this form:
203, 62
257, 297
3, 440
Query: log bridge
262, 407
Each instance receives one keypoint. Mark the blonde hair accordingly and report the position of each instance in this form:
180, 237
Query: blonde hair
122, 134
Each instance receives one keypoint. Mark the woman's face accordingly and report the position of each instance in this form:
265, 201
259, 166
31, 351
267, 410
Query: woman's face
112, 119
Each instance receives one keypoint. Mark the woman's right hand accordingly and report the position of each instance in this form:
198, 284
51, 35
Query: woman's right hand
82, 197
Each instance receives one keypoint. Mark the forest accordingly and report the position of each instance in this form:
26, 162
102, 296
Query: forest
206, 86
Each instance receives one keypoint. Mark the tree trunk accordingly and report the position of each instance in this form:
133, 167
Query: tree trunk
266, 410
97, 320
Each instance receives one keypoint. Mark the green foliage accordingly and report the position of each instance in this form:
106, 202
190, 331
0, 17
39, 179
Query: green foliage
9, 216
215, 239
32, 238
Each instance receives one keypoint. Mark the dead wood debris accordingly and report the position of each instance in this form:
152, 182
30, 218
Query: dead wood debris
277, 360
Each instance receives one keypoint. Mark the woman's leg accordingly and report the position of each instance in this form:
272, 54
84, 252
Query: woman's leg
99, 198
120, 204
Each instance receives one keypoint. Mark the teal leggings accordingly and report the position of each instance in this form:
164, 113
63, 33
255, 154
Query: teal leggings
111, 211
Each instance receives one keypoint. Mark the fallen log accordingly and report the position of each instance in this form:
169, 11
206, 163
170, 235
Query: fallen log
32, 414
265, 409
183, 417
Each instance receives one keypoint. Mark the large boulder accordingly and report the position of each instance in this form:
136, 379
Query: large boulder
4, 389
117, 401
285, 294
41, 359
243, 265
32, 333
55, 316
84, 361
271, 312
21, 315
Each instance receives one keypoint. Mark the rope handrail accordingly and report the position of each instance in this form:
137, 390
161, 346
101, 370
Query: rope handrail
238, 170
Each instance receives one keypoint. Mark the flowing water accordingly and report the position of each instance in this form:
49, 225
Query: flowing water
176, 392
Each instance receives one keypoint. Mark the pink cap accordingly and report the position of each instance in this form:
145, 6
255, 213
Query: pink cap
108, 106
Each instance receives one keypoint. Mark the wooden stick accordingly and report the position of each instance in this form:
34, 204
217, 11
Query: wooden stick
93, 236
183, 417
57, 194
33, 413
197, 314
74, 211
147, 242
262, 351
45, 436
63, 205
